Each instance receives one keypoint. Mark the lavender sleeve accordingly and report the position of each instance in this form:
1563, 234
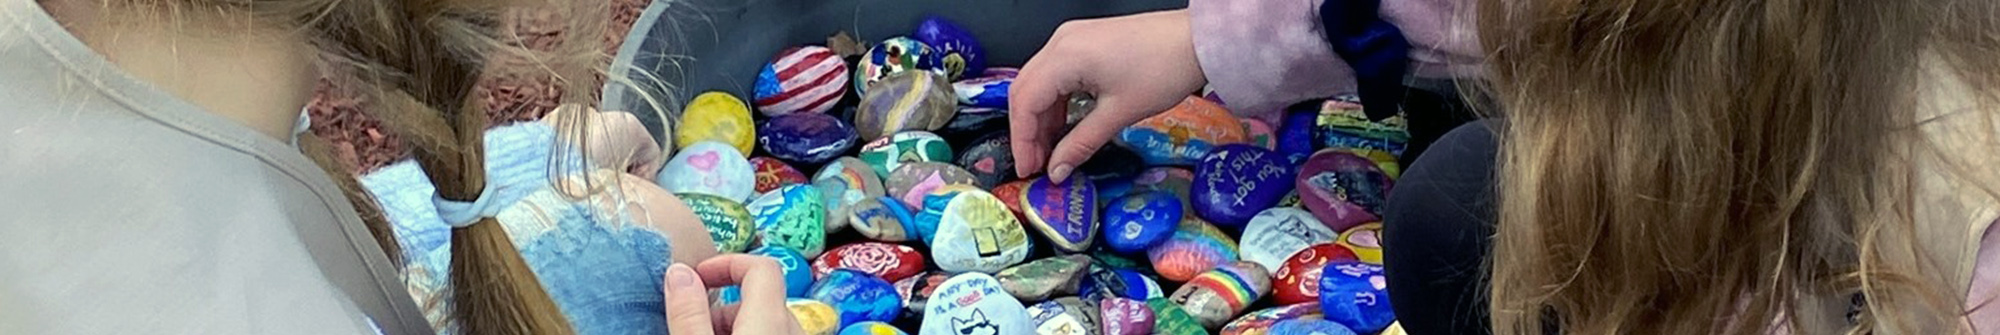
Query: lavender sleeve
1261, 56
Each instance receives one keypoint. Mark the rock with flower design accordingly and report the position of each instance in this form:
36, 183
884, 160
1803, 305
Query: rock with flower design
892, 262
1184, 134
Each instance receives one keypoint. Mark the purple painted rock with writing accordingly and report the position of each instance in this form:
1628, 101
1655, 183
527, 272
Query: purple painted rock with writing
1065, 212
1238, 181
1121, 316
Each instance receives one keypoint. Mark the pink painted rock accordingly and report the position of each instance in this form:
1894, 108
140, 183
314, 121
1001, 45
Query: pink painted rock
892, 262
1121, 316
1343, 190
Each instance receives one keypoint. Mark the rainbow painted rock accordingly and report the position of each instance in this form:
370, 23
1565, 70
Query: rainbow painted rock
990, 159
1365, 240
883, 219
1065, 213
1261, 321
871, 328
1343, 190
842, 184
1171, 319
772, 173
1237, 182
1064, 316
716, 116
973, 304
1295, 138
807, 79
891, 262
888, 153
977, 234
916, 291
988, 90
798, 272
1195, 247
1121, 316
791, 216
1276, 233
1141, 220
1184, 134
1123, 283
1343, 124
894, 56
1356, 295
1297, 280
858, 296
1260, 134
807, 138
912, 181
1216, 296
1309, 327
1042, 278
958, 52
816, 317
711, 168
727, 222
906, 101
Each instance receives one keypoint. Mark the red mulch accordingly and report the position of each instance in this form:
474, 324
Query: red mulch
361, 141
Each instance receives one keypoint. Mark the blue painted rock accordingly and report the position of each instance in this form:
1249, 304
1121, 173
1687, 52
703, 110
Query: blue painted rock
888, 153
1295, 138
728, 223
976, 119
716, 116
711, 168
977, 234
990, 159
1297, 281
974, 304
728, 295
891, 262
1261, 322
1195, 247
912, 181
1218, 295
772, 174
1237, 182
988, 90
1171, 319
1064, 316
1141, 220
916, 291
1343, 124
1309, 327
1173, 180
957, 50
816, 317
1042, 278
1184, 134
1356, 295
807, 79
1121, 316
914, 100
1343, 190
792, 216
807, 138
1111, 189
1122, 283
1365, 240
858, 296
1065, 213
1277, 233
883, 219
895, 56
871, 328
798, 268
842, 184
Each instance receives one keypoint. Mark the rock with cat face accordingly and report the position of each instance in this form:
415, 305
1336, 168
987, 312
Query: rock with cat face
711, 168
974, 304
1279, 232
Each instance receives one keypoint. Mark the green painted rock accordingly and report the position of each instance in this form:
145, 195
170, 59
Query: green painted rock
792, 216
888, 153
1042, 278
727, 221
1170, 319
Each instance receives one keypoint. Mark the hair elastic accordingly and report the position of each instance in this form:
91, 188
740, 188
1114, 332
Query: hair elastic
461, 214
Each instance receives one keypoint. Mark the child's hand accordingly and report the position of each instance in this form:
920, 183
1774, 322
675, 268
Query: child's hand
763, 308
1136, 66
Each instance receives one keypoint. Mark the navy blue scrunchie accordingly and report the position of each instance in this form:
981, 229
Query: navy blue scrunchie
1375, 49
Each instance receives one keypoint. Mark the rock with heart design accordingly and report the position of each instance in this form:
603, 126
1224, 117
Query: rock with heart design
772, 173
1295, 138
987, 90
958, 52
1065, 316
1260, 134
973, 304
806, 79
1042, 278
1218, 295
1344, 124
797, 268
1171, 319
871, 328
1297, 280
842, 184
889, 153
896, 55
1277, 233
891, 262
1195, 247
1140, 221
716, 116
807, 138
1309, 327
1124, 283
727, 222
858, 296
914, 100
1343, 190
912, 181
916, 291
990, 159
1121, 316
1184, 134
976, 234
1237, 182
1065, 212
1261, 321
711, 168
883, 219
1365, 240
1356, 294
814, 316
791, 216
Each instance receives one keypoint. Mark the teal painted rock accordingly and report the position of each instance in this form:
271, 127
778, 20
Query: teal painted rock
1170, 319
888, 153
792, 216
842, 184
1042, 278
728, 223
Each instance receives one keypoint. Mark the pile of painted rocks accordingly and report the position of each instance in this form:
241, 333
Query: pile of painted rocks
913, 219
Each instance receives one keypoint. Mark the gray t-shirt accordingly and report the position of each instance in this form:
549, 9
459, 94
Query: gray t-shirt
124, 209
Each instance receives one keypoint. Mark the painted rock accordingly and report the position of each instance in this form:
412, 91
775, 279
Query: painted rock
883, 219
792, 216
1110, 189
1013, 190
727, 295
1365, 240
958, 52
1065, 213
912, 181
1122, 283
1065, 316
1383, 160
988, 90
871, 328
807, 138
1309, 327
1184, 134
816, 317
1343, 190
1395, 328
976, 234
990, 159
1295, 138
1291, 199
1107, 258
891, 262
1260, 134
1038, 280
842, 184
1110, 163
807, 79
711, 168
772, 174
1237, 182
895, 56
798, 271
1297, 281
888, 153
1276, 233
924, 228
1171, 319
1173, 180
716, 116
976, 120
858, 296
1121, 316
1216, 296
1343, 124
1141, 220
1356, 295
914, 100
728, 223
1261, 321
916, 291
974, 304
1195, 247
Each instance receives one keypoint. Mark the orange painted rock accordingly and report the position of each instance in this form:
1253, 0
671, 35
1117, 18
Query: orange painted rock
1184, 134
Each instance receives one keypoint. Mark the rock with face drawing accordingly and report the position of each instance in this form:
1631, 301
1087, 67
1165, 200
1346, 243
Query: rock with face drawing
974, 304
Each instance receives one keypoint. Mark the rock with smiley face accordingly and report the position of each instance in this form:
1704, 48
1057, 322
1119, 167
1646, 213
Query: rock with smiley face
1237, 182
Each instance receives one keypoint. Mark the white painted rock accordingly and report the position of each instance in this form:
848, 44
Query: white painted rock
1275, 234
711, 168
974, 304
977, 233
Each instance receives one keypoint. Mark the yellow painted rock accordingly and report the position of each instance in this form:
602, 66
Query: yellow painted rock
716, 116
